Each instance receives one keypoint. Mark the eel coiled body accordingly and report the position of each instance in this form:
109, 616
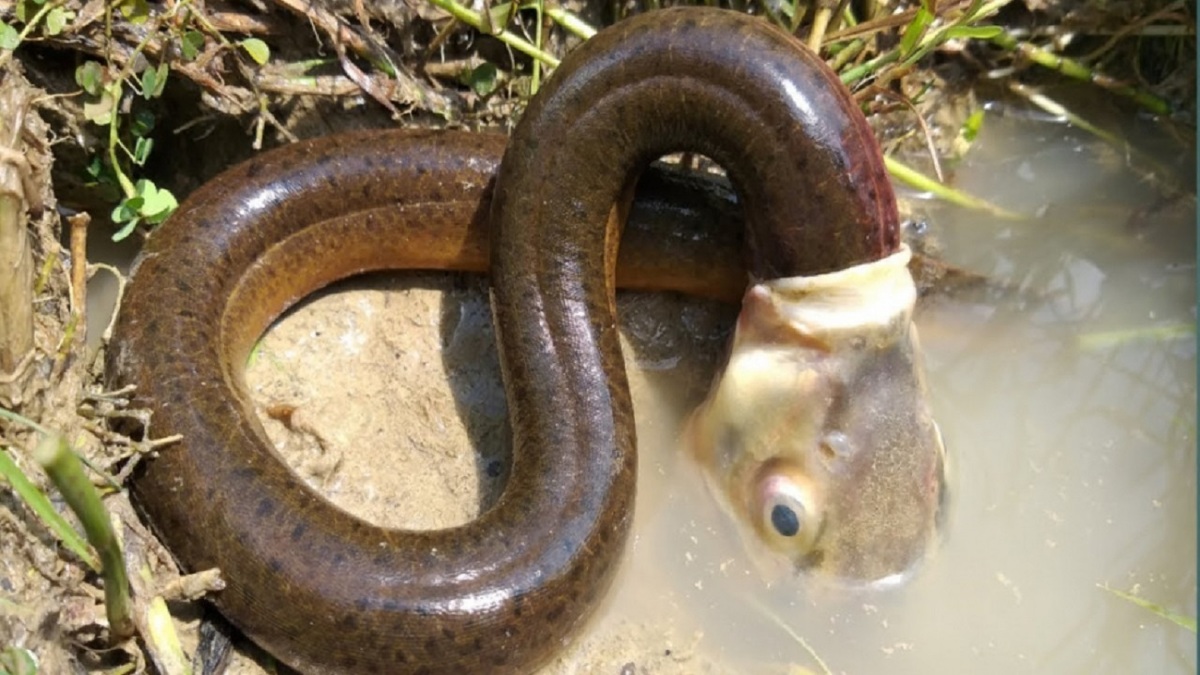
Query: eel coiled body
324, 591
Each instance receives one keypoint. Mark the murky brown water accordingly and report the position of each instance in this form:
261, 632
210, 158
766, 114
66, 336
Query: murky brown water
1067, 402
1068, 406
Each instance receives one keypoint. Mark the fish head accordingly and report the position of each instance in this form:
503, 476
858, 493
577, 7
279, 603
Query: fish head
818, 437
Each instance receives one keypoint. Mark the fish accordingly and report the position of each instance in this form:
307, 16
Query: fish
818, 437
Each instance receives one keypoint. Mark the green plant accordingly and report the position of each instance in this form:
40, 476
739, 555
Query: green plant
51, 17
114, 91
17, 661
65, 470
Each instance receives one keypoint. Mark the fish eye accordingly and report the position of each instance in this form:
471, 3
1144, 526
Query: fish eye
785, 519
786, 510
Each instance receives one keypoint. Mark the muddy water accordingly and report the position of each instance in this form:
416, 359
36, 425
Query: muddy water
1067, 399
1066, 395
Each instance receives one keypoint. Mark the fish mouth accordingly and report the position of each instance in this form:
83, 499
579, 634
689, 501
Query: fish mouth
891, 582
815, 566
843, 556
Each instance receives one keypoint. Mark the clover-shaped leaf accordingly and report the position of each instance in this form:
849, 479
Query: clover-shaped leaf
257, 49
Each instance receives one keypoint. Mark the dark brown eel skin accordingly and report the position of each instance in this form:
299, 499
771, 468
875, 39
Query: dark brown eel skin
322, 590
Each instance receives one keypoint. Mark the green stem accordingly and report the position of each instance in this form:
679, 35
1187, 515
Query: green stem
29, 27
846, 54
1076, 70
39, 503
114, 92
161, 635
1181, 620
1120, 337
114, 125
920, 181
22, 420
1057, 109
472, 18
930, 41
65, 469
536, 81
572, 23
868, 68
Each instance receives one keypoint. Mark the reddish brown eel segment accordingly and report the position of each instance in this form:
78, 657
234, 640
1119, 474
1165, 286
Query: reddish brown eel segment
326, 592
816, 199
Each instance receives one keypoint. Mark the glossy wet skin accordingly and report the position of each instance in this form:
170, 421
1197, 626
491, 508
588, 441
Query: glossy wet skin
326, 592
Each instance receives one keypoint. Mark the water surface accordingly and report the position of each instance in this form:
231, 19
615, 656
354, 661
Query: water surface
1067, 398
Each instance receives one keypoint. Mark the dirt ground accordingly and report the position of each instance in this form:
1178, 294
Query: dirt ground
398, 414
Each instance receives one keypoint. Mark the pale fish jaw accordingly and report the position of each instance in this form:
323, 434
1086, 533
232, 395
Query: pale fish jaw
833, 356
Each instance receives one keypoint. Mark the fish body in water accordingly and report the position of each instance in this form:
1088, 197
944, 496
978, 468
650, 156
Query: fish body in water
818, 436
